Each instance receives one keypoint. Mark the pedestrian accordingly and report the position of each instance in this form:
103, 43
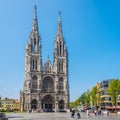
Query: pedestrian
78, 115
72, 114
108, 112
95, 112
87, 112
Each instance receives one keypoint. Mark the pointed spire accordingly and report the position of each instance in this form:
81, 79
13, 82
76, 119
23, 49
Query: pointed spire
59, 24
35, 22
59, 17
48, 57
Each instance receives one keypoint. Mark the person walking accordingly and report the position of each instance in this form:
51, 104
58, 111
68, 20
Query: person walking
78, 115
72, 114
95, 112
108, 112
87, 112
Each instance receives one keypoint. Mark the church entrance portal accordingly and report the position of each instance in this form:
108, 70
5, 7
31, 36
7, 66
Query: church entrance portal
34, 104
61, 104
48, 102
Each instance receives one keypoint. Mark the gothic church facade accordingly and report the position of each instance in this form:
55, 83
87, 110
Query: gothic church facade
46, 87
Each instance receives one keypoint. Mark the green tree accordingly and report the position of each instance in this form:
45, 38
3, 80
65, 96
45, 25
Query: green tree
82, 99
85, 98
93, 96
75, 103
72, 105
114, 91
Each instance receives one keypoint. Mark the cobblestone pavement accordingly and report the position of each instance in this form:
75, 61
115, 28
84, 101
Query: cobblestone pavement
57, 116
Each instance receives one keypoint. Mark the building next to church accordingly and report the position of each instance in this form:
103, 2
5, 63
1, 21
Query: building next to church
105, 98
8, 104
45, 86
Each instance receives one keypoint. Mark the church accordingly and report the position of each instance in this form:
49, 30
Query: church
46, 87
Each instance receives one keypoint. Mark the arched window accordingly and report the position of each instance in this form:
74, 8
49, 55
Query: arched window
48, 85
36, 65
57, 49
61, 85
34, 82
63, 48
60, 67
33, 64
35, 46
60, 48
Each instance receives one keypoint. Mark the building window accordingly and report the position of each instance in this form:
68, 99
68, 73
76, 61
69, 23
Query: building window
61, 84
36, 65
118, 98
106, 98
57, 49
34, 82
48, 85
60, 49
118, 103
60, 67
33, 65
35, 46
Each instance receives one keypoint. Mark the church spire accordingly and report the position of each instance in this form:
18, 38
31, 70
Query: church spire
35, 22
60, 45
59, 24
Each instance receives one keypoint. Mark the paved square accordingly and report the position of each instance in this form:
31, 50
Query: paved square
58, 116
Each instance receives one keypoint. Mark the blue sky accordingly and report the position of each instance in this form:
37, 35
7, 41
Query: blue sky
91, 29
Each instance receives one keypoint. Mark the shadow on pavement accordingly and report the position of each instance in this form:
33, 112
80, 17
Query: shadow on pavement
14, 116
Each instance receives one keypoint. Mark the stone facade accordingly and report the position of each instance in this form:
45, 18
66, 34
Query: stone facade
45, 87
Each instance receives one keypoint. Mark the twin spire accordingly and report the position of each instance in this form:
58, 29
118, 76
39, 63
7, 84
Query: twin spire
35, 22
59, 24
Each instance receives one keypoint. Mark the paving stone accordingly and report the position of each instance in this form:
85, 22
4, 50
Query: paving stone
58, 116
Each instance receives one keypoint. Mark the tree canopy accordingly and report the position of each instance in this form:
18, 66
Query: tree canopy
114, 91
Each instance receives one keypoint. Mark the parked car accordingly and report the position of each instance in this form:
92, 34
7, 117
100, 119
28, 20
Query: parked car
62, 110
49, 110
3, 116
